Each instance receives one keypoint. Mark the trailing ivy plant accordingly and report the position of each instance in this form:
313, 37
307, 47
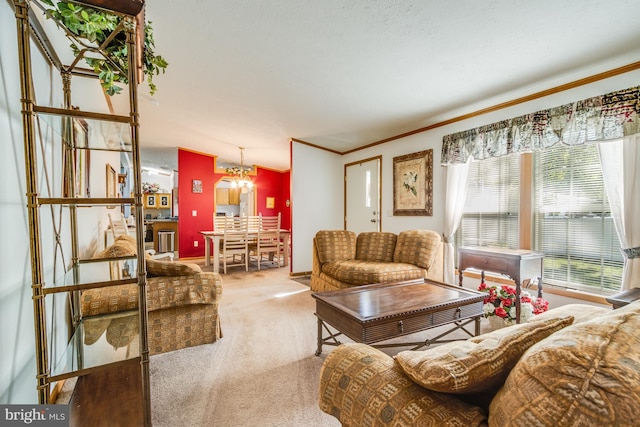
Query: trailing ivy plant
96, 26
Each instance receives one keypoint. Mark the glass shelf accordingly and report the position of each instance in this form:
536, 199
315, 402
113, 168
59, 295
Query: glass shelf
89, 132
98, 342
96, 273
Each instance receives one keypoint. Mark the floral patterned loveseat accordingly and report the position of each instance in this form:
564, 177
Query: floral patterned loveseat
342, 260
576, 365
182, 304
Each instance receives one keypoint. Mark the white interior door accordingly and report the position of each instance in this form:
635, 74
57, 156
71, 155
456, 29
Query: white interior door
362, 195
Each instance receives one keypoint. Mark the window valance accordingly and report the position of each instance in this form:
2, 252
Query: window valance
604, 117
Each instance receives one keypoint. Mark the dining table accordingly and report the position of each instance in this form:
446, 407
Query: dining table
216, 237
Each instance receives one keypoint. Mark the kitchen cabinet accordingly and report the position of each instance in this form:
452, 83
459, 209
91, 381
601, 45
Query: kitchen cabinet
227, 196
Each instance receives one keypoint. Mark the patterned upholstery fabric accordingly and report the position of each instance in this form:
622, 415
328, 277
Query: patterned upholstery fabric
182, 304
479, 364
336, 264
122, 246
363, 387
358, 272
585, 375
162, 292
417, 247
374, 246
580, 312
181, 327
169, 329
170, 268
335, 245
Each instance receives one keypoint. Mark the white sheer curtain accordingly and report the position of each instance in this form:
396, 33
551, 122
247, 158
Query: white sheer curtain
620, 160
454, 198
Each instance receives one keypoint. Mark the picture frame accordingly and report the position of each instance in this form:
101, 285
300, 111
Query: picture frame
150, 200
413, 184
271, 202
196, 186
112, 182
80, 157
165, 200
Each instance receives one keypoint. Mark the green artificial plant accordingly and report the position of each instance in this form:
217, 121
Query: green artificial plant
96, 26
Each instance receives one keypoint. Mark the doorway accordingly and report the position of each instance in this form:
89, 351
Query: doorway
362, 195
234, 201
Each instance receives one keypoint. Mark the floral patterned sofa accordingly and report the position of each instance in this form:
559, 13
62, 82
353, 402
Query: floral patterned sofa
342, 260
576, 365
182, 304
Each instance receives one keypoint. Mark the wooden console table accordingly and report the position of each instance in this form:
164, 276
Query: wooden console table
517, 264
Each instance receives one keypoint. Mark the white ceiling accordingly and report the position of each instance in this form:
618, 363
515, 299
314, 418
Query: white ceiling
345, 73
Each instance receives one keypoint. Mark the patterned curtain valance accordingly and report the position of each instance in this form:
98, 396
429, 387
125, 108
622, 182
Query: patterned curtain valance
605, 117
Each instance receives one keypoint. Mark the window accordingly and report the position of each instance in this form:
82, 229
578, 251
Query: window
491, 209
572, 220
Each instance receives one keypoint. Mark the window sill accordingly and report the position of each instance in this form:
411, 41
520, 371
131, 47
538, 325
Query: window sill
546, 289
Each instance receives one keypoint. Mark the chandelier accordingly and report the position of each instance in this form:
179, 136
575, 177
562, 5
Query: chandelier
240, 174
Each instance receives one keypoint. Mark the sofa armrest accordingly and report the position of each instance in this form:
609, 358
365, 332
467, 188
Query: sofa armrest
162, 292
360, 385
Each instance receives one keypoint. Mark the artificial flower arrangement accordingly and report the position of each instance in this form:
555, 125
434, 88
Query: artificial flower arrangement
501, 303
149, 188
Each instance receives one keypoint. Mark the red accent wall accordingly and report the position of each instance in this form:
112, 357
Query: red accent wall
192, 166
274, 184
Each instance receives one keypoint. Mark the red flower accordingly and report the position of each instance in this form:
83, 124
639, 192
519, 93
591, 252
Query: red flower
500, 312
509, 289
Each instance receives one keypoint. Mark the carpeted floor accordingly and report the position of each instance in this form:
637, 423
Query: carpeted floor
263, 372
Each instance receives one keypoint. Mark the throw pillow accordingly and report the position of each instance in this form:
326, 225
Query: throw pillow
585, 375
122, 246
169, 268
478, 364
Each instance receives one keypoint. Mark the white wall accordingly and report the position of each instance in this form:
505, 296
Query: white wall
330, 216
317, 201
17, 362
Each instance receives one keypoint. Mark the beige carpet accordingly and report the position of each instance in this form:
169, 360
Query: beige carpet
263, 372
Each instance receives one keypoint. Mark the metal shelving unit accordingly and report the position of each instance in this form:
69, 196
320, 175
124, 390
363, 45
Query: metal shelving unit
82, 356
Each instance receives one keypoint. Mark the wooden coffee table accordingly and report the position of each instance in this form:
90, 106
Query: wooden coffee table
373, 313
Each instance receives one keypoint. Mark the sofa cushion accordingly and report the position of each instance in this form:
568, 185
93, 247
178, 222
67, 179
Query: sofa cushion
335, 245
478, 364
417, 247
357, 272
157, 268
376, 246
587, 374
362, 386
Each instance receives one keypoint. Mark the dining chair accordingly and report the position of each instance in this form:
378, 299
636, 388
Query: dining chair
235, 243
118, 227
268, 240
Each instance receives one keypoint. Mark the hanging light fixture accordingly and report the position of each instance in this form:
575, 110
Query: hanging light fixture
240, 174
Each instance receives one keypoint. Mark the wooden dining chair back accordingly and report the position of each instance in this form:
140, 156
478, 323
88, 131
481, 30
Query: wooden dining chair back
235, 249
219, 222
118, 227
268, 240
